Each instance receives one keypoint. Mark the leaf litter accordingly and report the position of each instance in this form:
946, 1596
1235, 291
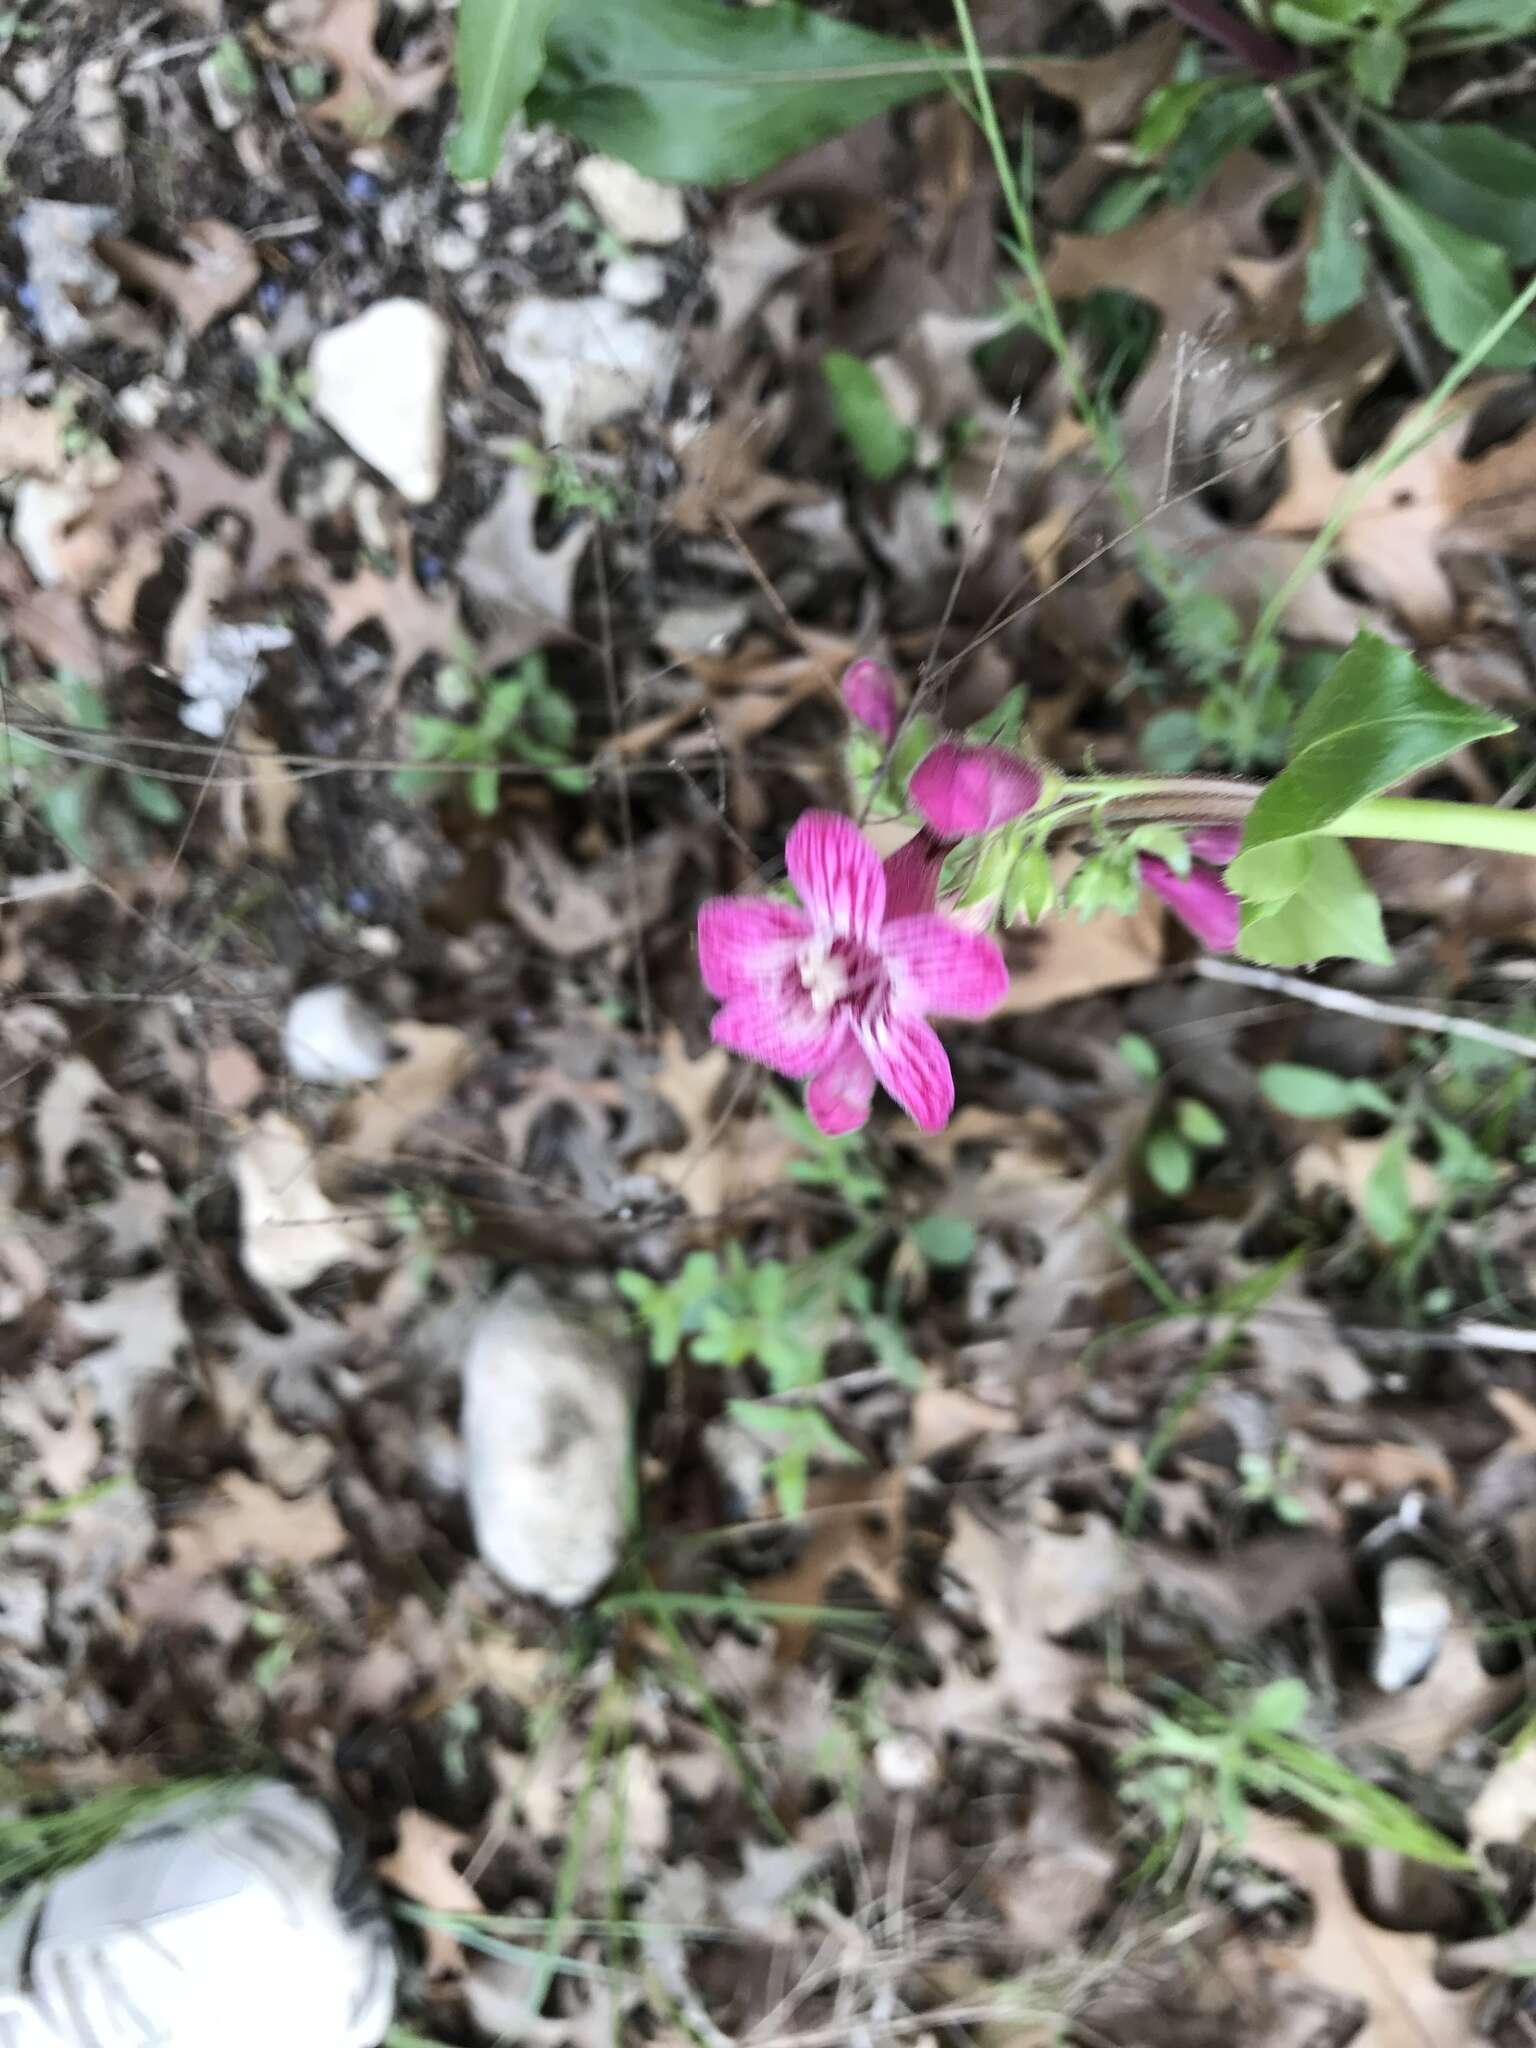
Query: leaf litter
809, 1771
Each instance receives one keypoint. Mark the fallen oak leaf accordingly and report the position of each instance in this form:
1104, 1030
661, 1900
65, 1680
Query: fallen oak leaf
1391, 1975
525, 590
415, 623
221, 268
370, 94
239, 1518
434, 1057
421, 1866
201, 483
1436, 502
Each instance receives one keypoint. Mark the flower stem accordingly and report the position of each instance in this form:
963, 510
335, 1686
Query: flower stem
1484, 826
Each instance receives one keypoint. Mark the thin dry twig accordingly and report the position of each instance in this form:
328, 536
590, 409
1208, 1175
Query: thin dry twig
1409, 1016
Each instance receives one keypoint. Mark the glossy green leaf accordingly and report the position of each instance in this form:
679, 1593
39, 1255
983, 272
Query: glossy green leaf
1297, 1090
881, 444
1338, 266
1140, 1055
945, 1240
1386, 1205
1482, 17
1279, 1707
703, 93
1329, 914
1199, 1125
1478, 178
154, 799
1376, 720
1377, 63
1167, 113
1227, 121
1461, 281
1316, 22
1169, 1162
499, 53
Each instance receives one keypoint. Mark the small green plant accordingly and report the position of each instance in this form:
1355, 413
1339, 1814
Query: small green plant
1416, 1121
1206, 1769
498, 721
281, 395
1181, 1128
570, 482
882, 444
728, 1312
1267, 1480
840, 1165
75, 799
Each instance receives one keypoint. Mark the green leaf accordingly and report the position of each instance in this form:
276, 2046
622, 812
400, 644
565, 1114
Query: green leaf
1377, 63
1306, 1091
1279, 1707
882, 445
1376, 720
499, 53
66, 809
1199, 1125
702, 93
1476, 177
945, 1240
1386, 1207
1331, 914
1166, 115
154, 799
485, 791
1227, 121
1140, 1055
1170, 1163
1172, 742
1315, 22
1338, 267
1461, 281
1478, 17
1031, 890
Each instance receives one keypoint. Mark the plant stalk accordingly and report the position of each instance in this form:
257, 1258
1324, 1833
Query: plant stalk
1483, 826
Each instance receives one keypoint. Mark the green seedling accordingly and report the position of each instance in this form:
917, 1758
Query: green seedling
1267, 1481
282, 395
1182, 1126
571, 483
1207, 1769
81, 802
516, 718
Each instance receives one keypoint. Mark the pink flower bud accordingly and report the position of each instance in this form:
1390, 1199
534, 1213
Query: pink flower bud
869, 691
962, 790
1216, 844
1201, 899
912, 875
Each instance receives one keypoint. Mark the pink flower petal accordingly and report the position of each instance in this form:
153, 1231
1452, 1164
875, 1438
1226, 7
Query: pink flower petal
747, 942
937, 969
869, 691
962, 790
774, 1029
911, 1065
1201, 898
839, 1096
1217, 844
912, 876
838, 874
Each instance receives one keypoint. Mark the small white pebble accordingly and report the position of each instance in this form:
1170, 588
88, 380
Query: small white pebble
331, 1038
904, 1762
634, 280
454, 251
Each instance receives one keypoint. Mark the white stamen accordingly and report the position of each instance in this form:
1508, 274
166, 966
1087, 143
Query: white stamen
824, 978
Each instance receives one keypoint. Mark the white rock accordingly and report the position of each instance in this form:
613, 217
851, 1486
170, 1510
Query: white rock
290, 1230
586, 361
63, 269
378, 380
546, 1426
904, 1762
221, 672
1416, 1613
630, 205
331, 1037
635, 280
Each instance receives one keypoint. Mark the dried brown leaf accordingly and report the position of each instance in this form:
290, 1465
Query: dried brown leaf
416, 624
434, 1058
239, 1518
1438, 502
525, 590
31, 438
421, 1866
1390, 1974
220, 269
202, 483
370, 94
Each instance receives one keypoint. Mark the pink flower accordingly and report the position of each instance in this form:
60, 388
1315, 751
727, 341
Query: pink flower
962, 790
838, 993
869, 691
1201, 898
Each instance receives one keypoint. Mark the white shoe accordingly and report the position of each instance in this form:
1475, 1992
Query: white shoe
225, 1920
